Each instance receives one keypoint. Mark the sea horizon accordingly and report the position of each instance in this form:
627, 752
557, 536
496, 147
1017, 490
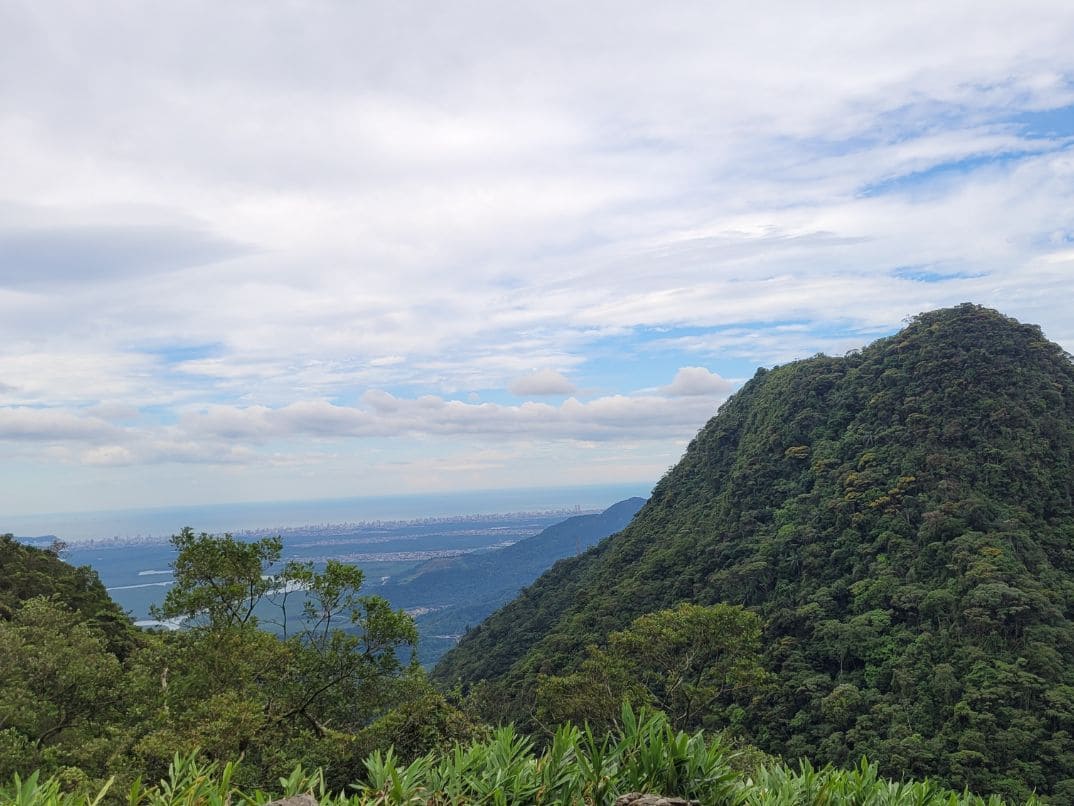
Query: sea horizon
161, 522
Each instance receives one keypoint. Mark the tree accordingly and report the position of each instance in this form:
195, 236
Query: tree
229, 687
692, 656
685, 661
594, 695
219, 581
345, 648
60, 683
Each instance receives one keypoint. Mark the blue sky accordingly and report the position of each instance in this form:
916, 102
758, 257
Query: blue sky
255, 252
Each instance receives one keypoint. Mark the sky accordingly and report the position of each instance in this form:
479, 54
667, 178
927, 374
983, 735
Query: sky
254, 251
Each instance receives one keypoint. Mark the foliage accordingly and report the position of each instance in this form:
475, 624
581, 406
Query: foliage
688, 661
62, 645
232, 689
902, 521
59, 680
219, 581
86, 697
646, 755
27, 572
416, 726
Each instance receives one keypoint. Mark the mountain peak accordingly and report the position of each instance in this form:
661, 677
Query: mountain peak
901, 518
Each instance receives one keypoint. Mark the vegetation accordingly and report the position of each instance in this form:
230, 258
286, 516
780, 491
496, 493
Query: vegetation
27, 572
689, 662
87, 698
901, 522
644, 754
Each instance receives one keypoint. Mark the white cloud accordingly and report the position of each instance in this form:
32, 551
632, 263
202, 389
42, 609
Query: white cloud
690, 381
387, 361
542, 382
72, 375
47, 425
231, 434
614, 416
330, 202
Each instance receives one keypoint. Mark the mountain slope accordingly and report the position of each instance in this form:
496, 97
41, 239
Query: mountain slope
464, 590
902, 520
26, 572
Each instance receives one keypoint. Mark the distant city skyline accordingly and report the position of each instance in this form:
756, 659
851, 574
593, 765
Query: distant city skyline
157, 524
253, 252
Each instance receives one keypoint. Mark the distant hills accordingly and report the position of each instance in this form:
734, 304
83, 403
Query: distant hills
458, 592
901, 518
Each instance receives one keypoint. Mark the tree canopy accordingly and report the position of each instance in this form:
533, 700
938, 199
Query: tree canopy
86, 696
901, 521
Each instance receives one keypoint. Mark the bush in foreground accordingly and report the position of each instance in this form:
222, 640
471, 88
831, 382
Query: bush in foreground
646, 754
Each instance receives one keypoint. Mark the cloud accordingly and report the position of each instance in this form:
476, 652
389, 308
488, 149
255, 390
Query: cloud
613, 416
387, 361
75, 374
146, 450
690, 381
228, 434
114, 412
42, 256
498, 199
542, 382
45, 425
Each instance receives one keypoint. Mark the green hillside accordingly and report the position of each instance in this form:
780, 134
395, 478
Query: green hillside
461, 591
901, 519
26, 572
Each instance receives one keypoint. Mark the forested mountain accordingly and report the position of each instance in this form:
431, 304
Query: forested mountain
461, 591
900, 519
27, 572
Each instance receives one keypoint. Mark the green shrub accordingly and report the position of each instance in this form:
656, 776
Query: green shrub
576, 767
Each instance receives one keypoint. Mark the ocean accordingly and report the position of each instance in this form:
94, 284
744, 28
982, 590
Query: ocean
384, 536
128, 524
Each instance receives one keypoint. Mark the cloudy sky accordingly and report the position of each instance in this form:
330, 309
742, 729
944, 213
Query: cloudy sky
258, 250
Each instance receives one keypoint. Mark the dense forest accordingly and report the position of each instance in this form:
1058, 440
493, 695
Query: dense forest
899, 521
87, 697
93, 711
867, 557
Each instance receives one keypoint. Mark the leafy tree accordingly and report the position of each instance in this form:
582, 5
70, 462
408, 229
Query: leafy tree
27, 572
593, 695
423, 722
691, 657
60, 686
86, 697
219, 581
230, 688
685, 661
345, 651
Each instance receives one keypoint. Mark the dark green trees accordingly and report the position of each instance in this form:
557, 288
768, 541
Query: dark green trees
690, 662
27, 572
60, 684
86, 696
219, 581
901, 520
231, 688
62, 645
